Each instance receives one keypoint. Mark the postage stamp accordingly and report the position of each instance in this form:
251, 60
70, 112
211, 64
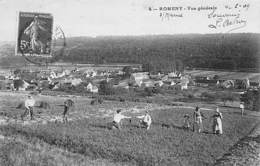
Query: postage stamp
34, 34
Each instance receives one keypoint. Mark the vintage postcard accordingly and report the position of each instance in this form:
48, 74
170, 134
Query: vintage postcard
130, 82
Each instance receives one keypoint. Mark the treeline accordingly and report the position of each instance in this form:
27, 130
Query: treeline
165, 52
168, 52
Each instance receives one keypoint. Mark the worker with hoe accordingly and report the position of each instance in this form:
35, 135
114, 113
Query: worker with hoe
29, 104
117, 119
68, 105
146, 120
197, 116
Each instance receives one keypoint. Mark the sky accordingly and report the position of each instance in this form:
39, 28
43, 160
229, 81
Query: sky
131, 17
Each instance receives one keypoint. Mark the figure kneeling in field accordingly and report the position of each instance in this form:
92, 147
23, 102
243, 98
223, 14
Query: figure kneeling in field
29, 104
117, 119
186, 123
68, 105
197, 115
146, 120
217, 122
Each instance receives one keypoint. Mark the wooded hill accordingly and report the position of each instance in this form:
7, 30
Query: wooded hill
166, 52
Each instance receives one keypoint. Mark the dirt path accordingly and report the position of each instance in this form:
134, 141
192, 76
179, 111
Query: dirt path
245, 152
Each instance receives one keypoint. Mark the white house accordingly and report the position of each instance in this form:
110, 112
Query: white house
159, 83
76, 81
137, 78
92, 88
148, 83
184, 82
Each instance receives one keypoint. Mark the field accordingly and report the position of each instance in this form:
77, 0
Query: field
88, 136
226, 75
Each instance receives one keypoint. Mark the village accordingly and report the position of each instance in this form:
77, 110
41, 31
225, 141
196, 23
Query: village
124, 78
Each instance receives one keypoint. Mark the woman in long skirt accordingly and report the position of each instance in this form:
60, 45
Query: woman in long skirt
217, 122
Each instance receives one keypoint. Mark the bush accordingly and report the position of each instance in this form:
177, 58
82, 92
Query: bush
251, 99
18, 83
44, 105
2, 85
227, 96
17, 71
120, 91
148, 91
188, 94
21, 106
208, 96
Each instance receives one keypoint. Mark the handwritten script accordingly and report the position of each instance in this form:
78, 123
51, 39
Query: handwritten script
224, 18
231, 20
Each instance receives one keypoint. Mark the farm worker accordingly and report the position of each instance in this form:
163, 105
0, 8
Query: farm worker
68, 105
146, 120
242, 107
117, 119
186, 124
217, 122
29, 104
197, 115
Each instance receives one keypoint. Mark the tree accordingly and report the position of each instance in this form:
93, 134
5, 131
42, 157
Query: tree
147, 67
216, 77
18, 83
251, 99
17, 71
106, 88
179, 66
128, 70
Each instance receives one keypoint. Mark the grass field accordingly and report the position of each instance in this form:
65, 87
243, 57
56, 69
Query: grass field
226, 75
89, 135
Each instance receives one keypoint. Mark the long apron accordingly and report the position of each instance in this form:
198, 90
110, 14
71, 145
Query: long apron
219, 125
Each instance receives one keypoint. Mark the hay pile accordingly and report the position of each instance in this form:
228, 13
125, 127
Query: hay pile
44, 105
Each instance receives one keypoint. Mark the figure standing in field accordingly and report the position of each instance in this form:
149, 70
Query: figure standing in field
186, 124
33, 31
242, 108
68, 105
117, 119
146, 120
217, 122
29, 104
197, 115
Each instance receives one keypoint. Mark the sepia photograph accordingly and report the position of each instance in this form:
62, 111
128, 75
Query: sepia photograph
129, 83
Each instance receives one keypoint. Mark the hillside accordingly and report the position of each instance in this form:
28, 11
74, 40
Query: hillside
166, 52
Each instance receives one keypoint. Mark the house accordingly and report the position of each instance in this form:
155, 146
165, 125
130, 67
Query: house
137, 78
76, 81
254, 85
148, 83
205, 82
158, 83
228, 84
53, 75
122, 84
92, 88
184, 82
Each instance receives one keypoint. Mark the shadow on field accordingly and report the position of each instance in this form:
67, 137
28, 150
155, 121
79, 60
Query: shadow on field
107, 126
165, 125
